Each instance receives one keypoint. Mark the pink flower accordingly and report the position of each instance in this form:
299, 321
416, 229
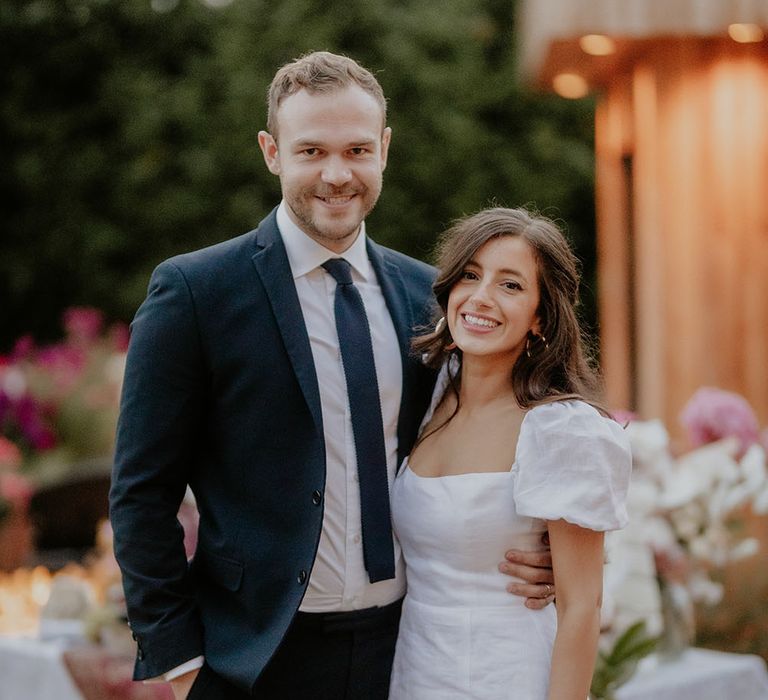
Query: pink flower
15, 489
713, 414
10, 455
61, 358
23, 348
83, 323
33, 422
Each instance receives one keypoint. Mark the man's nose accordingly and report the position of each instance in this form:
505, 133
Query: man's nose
336, 172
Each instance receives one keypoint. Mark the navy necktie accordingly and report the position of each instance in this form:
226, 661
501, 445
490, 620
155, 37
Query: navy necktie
367, 426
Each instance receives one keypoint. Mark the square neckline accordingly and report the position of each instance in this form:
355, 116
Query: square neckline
406, 466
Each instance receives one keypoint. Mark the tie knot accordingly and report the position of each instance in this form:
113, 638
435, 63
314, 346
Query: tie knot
339, 269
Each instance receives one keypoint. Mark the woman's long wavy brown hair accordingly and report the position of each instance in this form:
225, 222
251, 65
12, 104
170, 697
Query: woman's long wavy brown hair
556, 369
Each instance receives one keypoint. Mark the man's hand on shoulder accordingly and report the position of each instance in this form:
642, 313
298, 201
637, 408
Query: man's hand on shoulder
535, 570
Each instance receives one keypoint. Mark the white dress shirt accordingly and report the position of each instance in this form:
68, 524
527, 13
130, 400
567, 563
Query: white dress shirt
339, 581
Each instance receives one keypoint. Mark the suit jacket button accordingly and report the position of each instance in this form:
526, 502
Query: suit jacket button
317, 497
140, 654
302, 577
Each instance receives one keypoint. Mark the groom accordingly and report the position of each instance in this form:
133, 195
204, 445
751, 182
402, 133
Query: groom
256, 370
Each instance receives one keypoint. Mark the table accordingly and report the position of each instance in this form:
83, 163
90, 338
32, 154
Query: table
699, 674
32, 669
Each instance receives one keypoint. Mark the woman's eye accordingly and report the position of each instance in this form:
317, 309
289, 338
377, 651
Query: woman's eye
514, 286
468, 275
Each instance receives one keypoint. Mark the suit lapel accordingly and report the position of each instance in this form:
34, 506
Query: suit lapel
396, 296
271, 263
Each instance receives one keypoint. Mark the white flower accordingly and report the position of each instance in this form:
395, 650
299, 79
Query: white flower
746, 548
14, 382
760, 504
642, 497
649, 440
681, 486
704, 589
658, 533
736, 497
714, 462
753, 468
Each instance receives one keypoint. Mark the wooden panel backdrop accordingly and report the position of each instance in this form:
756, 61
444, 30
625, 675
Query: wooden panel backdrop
682, 201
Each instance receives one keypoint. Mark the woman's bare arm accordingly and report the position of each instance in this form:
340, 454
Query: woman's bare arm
577, 559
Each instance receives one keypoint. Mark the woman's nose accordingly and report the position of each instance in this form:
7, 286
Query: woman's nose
481, 294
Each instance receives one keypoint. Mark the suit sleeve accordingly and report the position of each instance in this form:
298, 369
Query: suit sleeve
160, 415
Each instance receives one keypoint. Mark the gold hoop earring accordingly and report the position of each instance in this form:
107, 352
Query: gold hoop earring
440, 326
539, 338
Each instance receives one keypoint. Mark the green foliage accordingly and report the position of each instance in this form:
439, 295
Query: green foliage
616, 667
129, 134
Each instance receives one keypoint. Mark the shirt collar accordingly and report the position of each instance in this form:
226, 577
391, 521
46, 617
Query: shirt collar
306, 254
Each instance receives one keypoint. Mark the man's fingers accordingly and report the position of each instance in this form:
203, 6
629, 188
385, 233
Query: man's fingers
530, 574
538, 603
537, 559
532, 590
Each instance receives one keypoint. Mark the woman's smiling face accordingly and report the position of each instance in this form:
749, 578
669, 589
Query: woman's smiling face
494, 304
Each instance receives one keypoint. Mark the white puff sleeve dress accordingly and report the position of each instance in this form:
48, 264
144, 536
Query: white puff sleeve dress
462, 636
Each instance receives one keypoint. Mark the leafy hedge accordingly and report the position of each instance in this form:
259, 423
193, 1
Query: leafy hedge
128, 133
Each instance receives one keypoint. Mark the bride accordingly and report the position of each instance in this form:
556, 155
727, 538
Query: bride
512, 446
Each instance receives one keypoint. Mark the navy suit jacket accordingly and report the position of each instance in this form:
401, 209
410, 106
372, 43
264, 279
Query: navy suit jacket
220, 392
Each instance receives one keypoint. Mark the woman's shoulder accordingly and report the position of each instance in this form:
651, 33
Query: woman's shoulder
556, 426
570, 414
573, 463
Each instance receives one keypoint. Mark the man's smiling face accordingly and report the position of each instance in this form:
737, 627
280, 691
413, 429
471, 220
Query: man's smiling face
329, 152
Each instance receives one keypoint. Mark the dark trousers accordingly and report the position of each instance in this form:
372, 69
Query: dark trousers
324, 656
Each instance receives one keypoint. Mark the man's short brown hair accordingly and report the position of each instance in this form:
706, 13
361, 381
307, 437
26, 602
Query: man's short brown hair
320, 71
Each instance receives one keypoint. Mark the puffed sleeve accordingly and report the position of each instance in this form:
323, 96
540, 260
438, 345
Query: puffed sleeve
573, 464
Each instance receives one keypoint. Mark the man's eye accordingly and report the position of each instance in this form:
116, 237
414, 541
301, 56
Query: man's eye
358, 151
310, 151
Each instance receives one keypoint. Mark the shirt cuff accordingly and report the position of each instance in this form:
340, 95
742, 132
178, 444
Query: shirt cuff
190, 665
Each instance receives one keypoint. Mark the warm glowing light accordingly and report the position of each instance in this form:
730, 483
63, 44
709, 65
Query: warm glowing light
746, 33
40, 585
597, 44
25, 592
19, 611
570, 85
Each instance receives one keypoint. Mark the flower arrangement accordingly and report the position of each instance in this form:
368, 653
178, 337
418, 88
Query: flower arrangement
694, 505
59, 402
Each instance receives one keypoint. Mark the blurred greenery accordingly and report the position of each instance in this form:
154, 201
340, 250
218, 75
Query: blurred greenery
128, 133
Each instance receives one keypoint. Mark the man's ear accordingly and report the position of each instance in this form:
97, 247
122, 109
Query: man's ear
268, 147
386, 137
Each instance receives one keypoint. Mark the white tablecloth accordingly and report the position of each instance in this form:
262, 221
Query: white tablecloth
34, 670
699, 674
